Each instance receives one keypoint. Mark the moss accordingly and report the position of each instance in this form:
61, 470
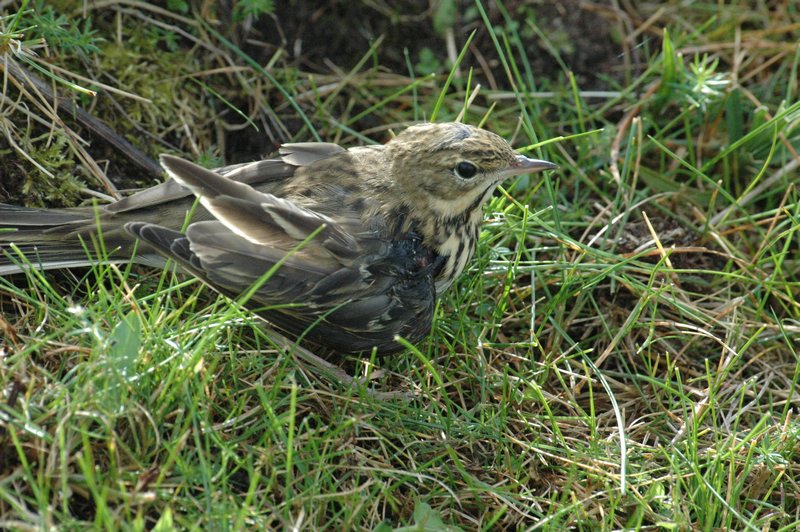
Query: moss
26, 183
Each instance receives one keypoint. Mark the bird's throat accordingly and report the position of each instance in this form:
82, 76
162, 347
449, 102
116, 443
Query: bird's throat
456, 248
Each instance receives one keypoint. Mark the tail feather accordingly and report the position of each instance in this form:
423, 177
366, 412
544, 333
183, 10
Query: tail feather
13, 216
49, 239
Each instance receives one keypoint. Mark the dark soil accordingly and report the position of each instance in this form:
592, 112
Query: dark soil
583, 36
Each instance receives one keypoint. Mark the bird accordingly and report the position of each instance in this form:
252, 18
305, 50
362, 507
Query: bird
345, 250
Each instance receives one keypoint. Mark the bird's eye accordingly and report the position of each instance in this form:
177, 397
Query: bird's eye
466, 170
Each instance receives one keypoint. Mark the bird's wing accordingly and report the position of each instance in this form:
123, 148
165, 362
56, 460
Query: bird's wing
253, 173
333, 280
261, 218
347, 308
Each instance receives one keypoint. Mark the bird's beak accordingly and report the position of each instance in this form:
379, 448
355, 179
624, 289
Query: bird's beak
526, 165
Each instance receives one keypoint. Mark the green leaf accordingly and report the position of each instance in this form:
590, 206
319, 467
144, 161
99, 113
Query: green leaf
670, 61
124, 345
165, 522
445, 16
428, 520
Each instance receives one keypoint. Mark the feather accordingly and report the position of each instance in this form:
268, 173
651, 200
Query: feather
307, 153
259, 172
15, 217
257, 216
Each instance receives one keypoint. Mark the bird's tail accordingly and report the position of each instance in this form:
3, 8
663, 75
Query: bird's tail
57, 238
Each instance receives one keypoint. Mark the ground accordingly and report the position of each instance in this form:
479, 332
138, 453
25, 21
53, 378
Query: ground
621, 354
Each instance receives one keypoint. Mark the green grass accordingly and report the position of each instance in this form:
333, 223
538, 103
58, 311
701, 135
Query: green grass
622, 354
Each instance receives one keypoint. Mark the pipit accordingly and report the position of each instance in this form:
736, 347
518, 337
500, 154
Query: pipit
345, 248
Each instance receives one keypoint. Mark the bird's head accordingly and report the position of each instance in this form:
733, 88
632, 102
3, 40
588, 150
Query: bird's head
451, 169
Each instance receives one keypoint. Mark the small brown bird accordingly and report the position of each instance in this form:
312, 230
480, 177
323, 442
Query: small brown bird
346, 249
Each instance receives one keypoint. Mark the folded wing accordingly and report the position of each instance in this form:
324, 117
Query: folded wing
332, 281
